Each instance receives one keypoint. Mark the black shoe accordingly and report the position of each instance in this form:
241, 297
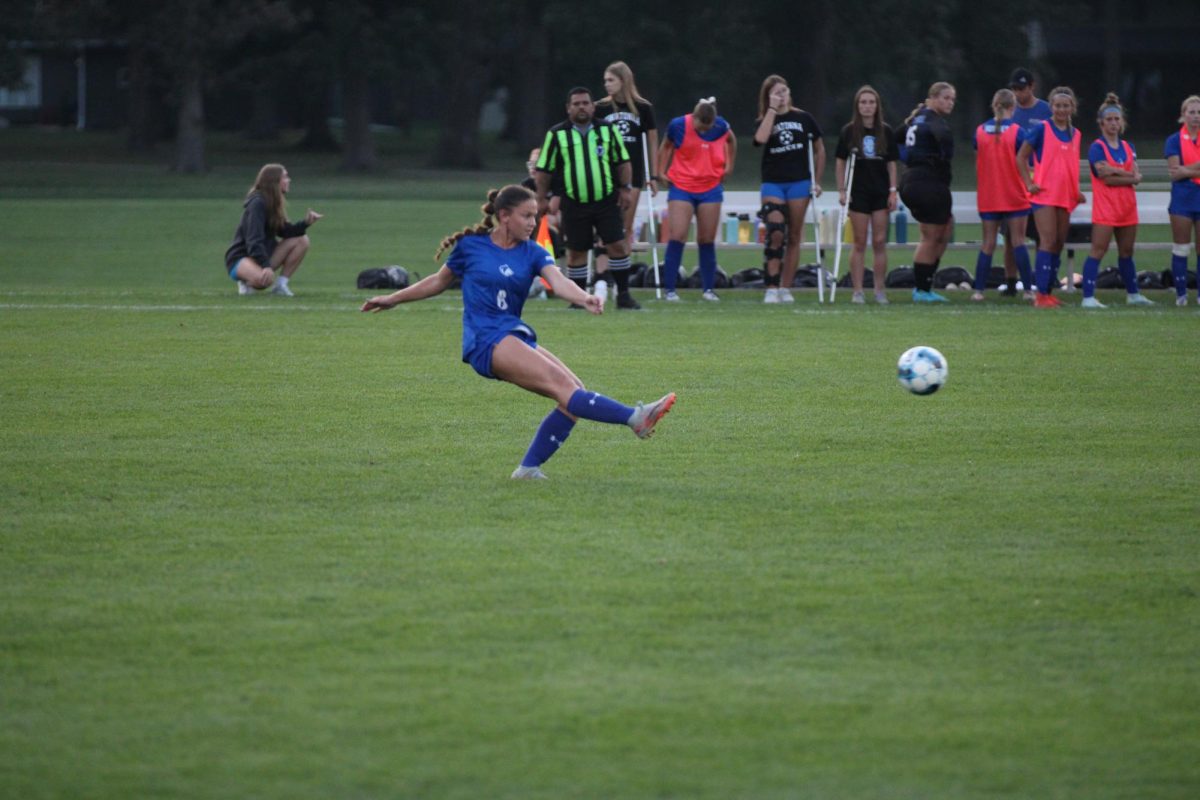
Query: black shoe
1009, 291
574, 305
625, 300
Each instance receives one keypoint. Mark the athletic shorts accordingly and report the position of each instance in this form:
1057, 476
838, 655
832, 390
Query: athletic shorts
1191, 215
583, 222
1000, 216
868, 202
480, 358
928, 199
793, 190
233, 269
713, 195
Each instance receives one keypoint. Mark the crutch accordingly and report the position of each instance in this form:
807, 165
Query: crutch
650, 205
843, 214
812, 204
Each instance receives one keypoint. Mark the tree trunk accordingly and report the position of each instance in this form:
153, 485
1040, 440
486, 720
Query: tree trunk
358, 148
141, 135
526, 123
317, 135
189, 141
458, 142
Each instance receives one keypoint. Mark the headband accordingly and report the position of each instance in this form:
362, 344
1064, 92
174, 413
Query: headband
1107, 109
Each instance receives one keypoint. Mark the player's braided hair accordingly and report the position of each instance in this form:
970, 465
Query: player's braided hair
497, 200
1002, 99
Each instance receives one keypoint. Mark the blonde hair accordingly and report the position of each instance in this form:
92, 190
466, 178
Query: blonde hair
1112, 101
1065, 91
629, 93
705, 111
269, 185
498, 200
764, 93
1002, 99
935, 89
1187, 101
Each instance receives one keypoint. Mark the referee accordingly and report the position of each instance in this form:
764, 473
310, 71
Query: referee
594, 172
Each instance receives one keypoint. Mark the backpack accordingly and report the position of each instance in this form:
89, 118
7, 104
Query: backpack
393, 277
901, 278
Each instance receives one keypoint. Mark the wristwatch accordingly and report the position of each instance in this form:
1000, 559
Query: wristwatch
627, 186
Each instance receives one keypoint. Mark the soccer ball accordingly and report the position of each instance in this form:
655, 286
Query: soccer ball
921, 370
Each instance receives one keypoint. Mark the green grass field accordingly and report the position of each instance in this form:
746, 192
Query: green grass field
267, 547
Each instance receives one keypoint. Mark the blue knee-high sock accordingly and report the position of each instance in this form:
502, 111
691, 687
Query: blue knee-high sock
1021, 256
1128, 274
553, 431
983, 266
1042, 267
1091, 269
1179, 273
597, 407
674, 258
708, 266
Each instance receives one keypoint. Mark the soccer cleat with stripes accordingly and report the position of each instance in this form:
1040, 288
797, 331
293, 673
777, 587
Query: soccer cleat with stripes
647, 415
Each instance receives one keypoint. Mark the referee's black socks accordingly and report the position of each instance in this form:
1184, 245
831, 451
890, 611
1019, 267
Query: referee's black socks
618, 268
578, 275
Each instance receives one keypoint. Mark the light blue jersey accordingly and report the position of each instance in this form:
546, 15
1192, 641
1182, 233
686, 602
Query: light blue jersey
495, 283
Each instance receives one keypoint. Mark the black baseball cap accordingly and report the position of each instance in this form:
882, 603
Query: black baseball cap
1021, 79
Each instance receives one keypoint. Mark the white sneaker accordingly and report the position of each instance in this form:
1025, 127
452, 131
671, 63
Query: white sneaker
785, 296
881, 299
671, 297
710, 296
977, 297
1138, 299
245, 288
1091, 302
858, 299
647, 415
600, 289
282, 290
528, 474
1026, 295
772, 296
1181, 300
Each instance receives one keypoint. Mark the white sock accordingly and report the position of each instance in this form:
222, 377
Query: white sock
282, 280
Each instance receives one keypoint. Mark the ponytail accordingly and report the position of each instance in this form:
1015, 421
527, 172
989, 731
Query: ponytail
497, 200
1002, 99
934, 90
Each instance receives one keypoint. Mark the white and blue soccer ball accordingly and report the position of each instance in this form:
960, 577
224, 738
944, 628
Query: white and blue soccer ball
921, 370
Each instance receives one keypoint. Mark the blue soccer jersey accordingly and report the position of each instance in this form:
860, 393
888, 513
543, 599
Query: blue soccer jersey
495, 283
1097, 153
1185, 194
1032, 117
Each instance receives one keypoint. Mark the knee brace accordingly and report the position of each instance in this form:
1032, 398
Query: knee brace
771, 250
1183, 250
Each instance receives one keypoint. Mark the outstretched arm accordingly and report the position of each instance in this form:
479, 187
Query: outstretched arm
435, 284
569, 290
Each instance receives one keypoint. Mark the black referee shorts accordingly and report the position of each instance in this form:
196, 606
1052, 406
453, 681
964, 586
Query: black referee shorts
582, 223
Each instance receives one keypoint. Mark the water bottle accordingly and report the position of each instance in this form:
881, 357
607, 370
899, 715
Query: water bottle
745, 229
731, 227
901, 225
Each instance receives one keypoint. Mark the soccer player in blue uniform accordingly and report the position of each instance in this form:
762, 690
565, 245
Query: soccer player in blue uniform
1183, 166
497, 263
1029, 113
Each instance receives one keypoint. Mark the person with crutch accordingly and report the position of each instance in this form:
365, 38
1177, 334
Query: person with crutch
869, 144
791, 173
633, 118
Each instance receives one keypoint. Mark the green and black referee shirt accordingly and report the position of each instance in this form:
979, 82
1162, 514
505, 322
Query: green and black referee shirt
586, 162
